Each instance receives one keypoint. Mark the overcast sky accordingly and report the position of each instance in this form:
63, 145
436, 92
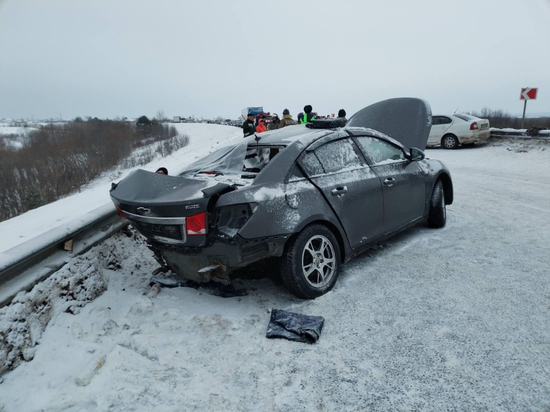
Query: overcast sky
109, 58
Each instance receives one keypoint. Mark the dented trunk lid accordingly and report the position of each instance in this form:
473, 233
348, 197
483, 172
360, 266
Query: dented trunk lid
158, 205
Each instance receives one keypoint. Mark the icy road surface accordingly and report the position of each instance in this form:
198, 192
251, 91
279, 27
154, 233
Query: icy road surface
454, 319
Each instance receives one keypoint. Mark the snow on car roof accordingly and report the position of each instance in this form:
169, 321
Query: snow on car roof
288, 135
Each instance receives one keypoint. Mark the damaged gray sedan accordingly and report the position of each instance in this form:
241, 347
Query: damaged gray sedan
314, 196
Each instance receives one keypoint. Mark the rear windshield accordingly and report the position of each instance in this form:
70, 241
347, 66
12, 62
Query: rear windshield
465, 117
243, 160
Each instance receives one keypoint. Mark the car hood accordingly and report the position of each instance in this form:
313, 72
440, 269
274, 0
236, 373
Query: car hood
408, 120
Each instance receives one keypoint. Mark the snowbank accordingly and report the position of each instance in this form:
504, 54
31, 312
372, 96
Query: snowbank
23, 321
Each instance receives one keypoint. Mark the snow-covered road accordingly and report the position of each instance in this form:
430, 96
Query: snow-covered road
454, 319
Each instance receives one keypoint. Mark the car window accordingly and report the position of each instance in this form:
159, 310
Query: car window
338, 155
294, 174
233, 160
444, 120
465, 117
436, 120
312, 166
380, 151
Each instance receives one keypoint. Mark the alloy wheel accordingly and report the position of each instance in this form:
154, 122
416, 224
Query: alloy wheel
318, 261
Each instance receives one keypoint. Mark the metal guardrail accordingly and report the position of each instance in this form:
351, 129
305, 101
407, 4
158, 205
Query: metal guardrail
519, 134
26, 264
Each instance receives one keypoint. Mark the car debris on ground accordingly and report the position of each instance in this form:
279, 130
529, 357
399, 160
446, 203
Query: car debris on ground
233, 289
294, 326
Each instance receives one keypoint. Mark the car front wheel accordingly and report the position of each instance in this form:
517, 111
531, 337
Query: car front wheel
449, 141
311, 263
438, 211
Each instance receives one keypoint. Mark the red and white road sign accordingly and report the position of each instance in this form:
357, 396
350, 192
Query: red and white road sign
528, 93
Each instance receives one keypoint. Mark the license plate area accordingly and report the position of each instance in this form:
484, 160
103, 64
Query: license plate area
164, 229
174, 232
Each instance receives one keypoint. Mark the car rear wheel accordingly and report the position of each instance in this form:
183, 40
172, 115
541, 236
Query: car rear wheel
311, 263
449, 141
438, 211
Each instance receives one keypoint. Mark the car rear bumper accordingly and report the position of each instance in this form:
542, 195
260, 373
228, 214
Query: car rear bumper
475, 137
219, 259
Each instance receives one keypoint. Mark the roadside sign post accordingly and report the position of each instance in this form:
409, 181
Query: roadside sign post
524, 107
527, 93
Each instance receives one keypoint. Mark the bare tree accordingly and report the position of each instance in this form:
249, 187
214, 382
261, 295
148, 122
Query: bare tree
160, 116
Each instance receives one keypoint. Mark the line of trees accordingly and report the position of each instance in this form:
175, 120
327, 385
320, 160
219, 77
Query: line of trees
501, 119
57, 160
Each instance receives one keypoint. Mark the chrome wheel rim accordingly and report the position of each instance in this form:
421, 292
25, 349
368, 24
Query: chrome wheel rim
318, 261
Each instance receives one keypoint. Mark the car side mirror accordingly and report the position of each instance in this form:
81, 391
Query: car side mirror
416, 154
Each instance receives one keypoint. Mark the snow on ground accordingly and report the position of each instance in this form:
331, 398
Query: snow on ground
15, 130
449, 319
204, 138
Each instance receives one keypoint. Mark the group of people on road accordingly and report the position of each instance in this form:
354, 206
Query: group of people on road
257, 123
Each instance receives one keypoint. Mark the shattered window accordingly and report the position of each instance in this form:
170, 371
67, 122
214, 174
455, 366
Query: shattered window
234, 160
227, 160
256, 159
380, 151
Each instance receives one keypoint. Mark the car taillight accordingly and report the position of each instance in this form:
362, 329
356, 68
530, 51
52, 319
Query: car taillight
120, 212
196, 224
474, 126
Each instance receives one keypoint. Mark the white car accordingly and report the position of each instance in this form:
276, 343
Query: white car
450, 131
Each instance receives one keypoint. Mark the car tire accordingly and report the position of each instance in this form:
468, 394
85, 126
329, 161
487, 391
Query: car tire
437, 216
449, 141
311, 263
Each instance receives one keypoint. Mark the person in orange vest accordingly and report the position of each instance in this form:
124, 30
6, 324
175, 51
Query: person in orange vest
261, 126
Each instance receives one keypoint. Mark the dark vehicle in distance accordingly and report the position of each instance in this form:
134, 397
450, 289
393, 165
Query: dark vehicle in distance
313, 196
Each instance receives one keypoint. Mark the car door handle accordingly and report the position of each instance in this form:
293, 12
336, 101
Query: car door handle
389, 182
340, 190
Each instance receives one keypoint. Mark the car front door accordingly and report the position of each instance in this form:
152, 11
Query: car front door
350, 186
403, 181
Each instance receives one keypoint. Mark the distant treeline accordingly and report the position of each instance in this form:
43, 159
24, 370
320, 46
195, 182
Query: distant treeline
501, 119
57, 160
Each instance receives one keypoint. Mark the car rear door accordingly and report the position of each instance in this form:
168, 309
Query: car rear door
439, 127
403, 181
349, 185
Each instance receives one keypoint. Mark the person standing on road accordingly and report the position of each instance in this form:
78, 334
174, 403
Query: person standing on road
307, 116
274, 124
261, 126
287, 119
248, 125
342, 115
